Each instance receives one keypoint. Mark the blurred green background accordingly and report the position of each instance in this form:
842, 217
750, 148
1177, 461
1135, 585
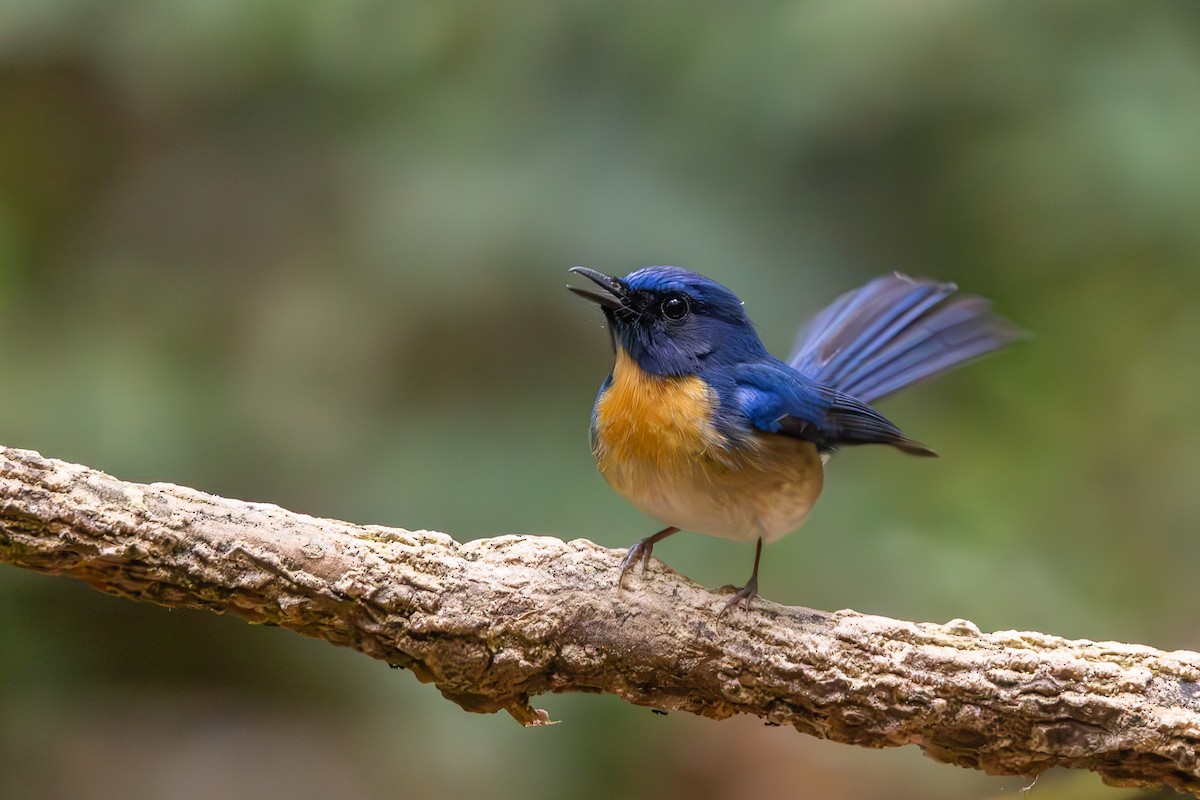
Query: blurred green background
313, 253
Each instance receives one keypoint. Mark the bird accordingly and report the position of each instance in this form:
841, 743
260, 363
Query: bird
701, 428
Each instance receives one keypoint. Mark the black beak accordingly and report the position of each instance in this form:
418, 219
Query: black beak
614, 293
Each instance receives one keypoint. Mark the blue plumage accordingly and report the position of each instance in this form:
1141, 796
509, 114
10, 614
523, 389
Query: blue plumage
715, 331
893, 332
701, 427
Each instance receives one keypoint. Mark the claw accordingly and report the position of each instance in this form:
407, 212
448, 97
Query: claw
641, 551
744, 595
747, 593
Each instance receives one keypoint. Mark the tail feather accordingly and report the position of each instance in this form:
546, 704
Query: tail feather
953, 346
877, 324
896, 331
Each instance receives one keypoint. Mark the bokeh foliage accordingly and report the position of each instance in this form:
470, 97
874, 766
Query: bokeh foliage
313, 253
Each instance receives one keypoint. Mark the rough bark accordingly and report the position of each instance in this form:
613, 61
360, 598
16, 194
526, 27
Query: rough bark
497, 621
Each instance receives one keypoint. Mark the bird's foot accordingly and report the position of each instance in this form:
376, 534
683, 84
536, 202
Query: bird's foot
747, 593
744, 595
640, 551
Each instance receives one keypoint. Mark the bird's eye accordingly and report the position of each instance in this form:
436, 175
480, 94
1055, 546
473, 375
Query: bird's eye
674, 306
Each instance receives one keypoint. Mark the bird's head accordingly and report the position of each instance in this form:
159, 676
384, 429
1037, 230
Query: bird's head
672, 321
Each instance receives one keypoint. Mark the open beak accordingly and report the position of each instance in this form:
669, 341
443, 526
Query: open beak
614, 291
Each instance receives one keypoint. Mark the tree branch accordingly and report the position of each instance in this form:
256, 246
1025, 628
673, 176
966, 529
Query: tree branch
497, 621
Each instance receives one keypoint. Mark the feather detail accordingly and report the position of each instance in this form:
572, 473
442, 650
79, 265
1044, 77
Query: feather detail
894, 332
775, 398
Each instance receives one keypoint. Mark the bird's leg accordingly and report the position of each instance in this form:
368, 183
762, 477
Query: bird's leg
750, 590
641, 551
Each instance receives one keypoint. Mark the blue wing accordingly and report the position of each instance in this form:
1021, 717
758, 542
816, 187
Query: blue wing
894, 332
774, 398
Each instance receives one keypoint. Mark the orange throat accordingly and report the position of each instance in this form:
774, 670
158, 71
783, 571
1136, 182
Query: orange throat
651, 418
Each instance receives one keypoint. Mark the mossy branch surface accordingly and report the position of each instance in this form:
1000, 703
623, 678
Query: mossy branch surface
495, 622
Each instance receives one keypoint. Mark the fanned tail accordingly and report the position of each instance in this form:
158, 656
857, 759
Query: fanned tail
895, 331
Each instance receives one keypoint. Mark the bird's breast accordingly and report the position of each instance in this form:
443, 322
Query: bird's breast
657, 443
653, 418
